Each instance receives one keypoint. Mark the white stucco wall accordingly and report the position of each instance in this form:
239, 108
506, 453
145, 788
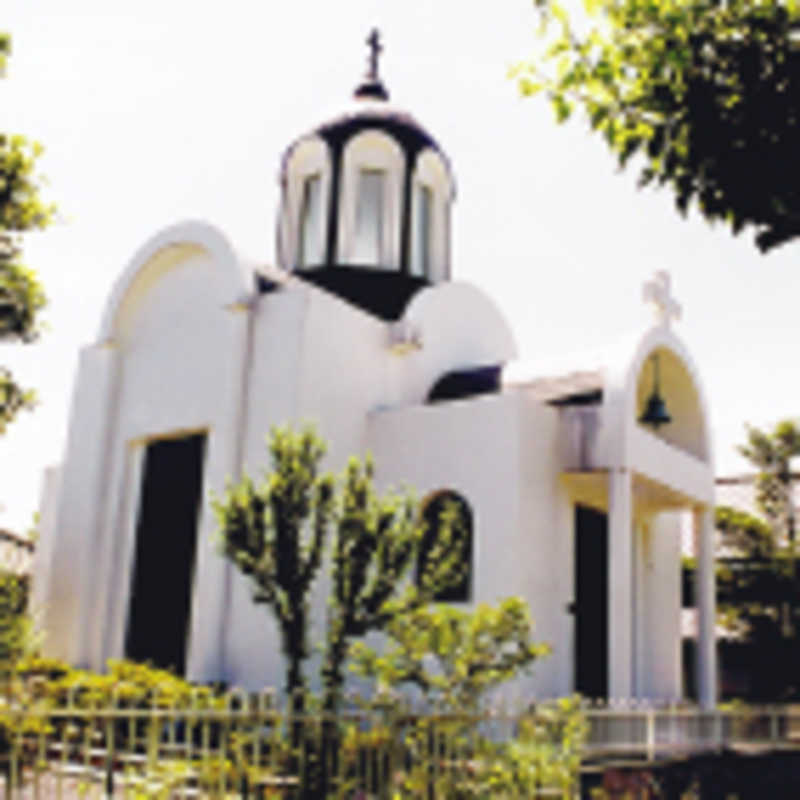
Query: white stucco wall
44, 552
79, 507
500, 453
547, 526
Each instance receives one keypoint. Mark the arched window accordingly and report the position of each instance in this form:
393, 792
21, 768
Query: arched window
421, 251
369, 237
447, 509
309, 251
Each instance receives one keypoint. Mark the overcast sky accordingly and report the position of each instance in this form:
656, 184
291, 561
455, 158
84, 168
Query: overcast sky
153, 112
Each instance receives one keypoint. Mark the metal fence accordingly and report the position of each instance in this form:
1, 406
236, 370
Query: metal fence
652, 734
242, 745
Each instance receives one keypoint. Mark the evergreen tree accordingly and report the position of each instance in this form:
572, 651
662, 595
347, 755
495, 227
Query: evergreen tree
758, 591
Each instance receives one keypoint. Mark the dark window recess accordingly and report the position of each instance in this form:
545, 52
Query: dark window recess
591, 398
265, 285
166, 537
687, 587
432, 518
466, 383
591, 602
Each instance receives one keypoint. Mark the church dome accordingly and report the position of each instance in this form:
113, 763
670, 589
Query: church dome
368, 190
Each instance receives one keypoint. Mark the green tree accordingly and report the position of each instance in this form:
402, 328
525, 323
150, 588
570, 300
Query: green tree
276, 533
377, 542
21, 209
17, 637
771, 453
453, 656
707, 92
758, 593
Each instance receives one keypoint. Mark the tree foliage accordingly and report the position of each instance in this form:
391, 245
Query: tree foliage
276, 533
22, 209
771, 453
707, 92
377, 542
453, 656
17, 637
758, 592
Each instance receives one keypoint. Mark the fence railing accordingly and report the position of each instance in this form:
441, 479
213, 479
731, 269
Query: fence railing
243, 745
656, 733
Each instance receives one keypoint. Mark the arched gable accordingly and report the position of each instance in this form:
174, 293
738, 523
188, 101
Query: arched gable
628, 376
459, 328
158, 255
681, 387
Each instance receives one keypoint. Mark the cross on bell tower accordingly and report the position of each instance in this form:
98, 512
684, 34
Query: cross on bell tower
657, 291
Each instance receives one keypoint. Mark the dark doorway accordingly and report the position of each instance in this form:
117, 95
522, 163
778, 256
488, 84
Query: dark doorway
166, 536
591, 602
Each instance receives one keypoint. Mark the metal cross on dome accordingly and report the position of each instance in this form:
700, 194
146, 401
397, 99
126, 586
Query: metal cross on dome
375, 47
657, 292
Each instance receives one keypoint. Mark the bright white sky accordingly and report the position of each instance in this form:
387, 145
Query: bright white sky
162, 110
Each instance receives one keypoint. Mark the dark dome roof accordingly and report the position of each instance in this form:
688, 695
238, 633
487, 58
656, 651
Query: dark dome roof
368, 111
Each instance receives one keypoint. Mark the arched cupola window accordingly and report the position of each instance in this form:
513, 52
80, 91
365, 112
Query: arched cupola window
373, 166
369, 236
307, 176
431, 196
310, 250
447, 510
421, 229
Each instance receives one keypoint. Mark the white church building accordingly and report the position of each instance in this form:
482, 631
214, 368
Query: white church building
577, 484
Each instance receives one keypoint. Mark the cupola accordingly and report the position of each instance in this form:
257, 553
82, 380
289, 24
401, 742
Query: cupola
365, 200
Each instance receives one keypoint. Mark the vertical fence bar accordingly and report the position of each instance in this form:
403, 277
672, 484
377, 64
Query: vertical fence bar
222, 744
651, 734
259, 732
63, 757
110, 755
14, 771
87, 746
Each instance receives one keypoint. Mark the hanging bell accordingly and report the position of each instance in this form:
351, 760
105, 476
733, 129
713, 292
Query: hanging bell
655, 413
